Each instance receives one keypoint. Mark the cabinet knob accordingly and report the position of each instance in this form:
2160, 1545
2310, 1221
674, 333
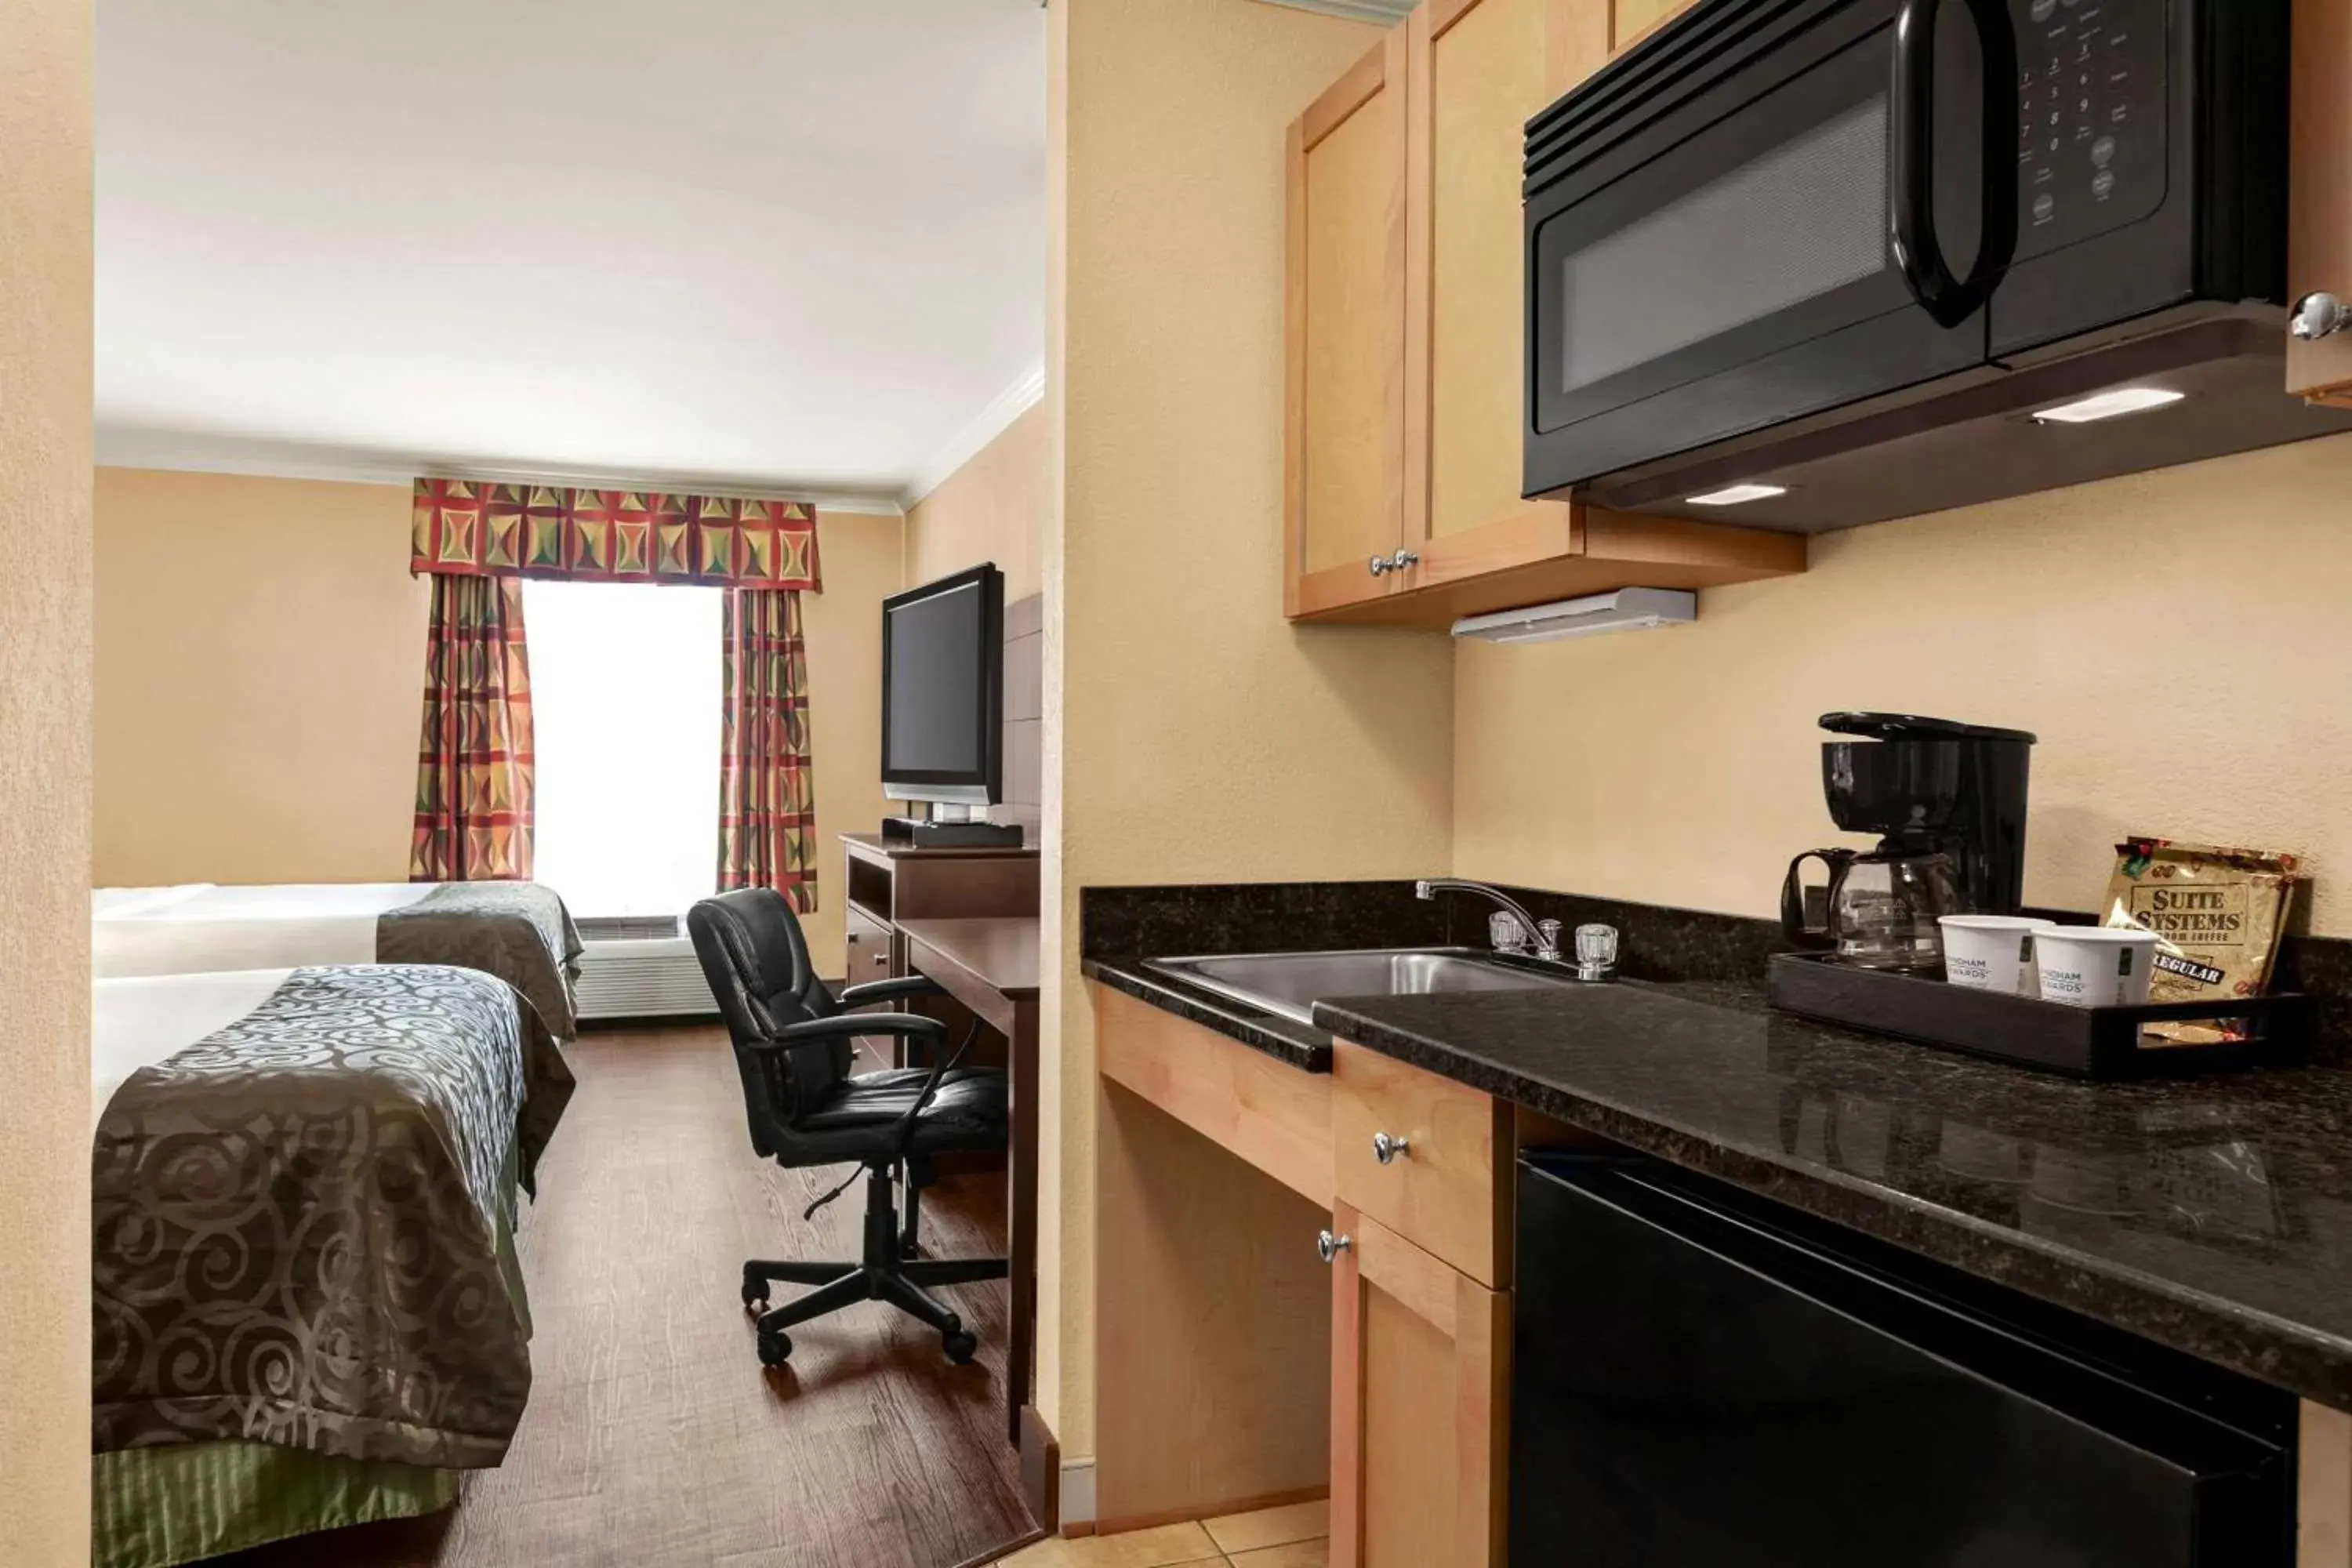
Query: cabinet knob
1388, 1151
1330, 1247
2318, 316
1381, 565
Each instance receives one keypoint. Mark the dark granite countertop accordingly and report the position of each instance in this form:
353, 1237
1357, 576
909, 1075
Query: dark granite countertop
2210, 1214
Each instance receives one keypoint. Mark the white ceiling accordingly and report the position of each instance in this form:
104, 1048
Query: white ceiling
789, 245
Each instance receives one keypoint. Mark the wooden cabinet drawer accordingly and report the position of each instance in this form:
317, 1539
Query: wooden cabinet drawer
1448, 1189
866, 948
866, 957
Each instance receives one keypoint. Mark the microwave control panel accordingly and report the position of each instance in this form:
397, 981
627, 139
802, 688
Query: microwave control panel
2091, 144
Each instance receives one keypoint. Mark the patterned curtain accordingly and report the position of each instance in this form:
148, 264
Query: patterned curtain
474, 766
476, 529
767, 812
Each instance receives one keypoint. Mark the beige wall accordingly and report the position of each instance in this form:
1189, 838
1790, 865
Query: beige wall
44, 468
260, 663
2181, 641
843, 627
1192, 734
991, 508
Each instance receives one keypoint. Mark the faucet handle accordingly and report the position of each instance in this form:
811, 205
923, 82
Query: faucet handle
1505, 933
1596, 951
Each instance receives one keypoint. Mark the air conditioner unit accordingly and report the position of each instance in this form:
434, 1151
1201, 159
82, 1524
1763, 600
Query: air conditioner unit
640, 966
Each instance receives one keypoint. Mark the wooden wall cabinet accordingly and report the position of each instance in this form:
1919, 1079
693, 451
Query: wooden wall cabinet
1420, 1407
1406, 339
1344, 382
2319, 231
1630, 20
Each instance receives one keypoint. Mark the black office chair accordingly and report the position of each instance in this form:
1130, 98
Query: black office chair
792, 1048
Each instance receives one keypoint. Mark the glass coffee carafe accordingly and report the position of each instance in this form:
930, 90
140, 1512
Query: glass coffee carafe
1882, 908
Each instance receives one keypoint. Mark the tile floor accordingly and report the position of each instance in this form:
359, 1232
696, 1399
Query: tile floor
1293, 1537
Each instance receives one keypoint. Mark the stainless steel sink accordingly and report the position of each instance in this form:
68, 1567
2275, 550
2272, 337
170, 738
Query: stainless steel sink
1288, 984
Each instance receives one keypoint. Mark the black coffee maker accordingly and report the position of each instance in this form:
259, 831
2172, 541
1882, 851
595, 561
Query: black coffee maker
1932, 786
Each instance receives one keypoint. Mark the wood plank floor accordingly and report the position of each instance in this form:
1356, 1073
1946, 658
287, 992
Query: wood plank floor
654, 1435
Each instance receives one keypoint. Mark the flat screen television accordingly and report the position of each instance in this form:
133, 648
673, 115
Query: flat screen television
943, 691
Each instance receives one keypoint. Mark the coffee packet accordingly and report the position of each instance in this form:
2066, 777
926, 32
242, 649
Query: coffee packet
2219, 911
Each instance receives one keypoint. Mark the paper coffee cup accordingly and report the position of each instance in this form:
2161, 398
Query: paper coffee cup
2094, 966
1990, 953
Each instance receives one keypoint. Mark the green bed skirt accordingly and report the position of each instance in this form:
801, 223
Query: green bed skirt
151, 1508
156, 1508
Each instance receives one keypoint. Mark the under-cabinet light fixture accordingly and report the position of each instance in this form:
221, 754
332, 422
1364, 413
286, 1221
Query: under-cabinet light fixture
2109, 405
1626, 610
1736, 495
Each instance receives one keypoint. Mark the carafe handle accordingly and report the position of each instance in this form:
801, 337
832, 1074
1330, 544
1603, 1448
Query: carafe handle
1811, 937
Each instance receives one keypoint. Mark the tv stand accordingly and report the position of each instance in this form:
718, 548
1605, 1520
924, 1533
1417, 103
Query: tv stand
919, 834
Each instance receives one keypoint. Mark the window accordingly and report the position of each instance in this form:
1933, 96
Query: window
626, 709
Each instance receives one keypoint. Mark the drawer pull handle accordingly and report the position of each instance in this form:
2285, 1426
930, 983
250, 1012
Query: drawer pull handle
1328, 1247
2318, 316
1388, 1151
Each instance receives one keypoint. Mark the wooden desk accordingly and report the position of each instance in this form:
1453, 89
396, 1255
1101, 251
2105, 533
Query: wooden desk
991, 966
889, 882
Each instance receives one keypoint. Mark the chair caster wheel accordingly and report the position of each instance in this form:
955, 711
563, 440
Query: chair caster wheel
755, 1294
775, 1348
959, 1345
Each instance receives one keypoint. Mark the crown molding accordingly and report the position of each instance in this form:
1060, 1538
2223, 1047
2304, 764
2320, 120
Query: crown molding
1384, 13
986, 425
181, 451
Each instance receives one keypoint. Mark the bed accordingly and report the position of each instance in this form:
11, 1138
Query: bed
519, 931
306, 1307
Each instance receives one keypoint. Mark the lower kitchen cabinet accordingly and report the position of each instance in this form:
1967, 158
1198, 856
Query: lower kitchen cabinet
1419, 1405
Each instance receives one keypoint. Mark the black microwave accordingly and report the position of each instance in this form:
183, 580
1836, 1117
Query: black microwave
1775, 210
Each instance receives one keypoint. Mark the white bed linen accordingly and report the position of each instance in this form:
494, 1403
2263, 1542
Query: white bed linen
138, 1023
111, 902
204, 926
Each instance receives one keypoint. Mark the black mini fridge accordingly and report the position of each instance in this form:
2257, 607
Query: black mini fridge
1703, 1379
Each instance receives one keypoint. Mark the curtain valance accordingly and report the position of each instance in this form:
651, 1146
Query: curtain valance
472, 529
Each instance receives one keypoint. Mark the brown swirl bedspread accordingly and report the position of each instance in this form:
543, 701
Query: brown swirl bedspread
296, 1221
520, 931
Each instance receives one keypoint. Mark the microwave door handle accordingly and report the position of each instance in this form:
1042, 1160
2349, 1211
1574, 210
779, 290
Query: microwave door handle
1918, 251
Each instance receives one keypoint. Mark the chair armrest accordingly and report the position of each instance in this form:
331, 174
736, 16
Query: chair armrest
890, 990
849, 1026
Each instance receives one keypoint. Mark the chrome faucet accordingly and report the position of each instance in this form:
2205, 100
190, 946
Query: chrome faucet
1545, 934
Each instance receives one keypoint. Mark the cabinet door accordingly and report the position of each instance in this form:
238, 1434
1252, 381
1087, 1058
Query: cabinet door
2319, 237
1345, 318
1630, 19
1480, 69
1420, 1407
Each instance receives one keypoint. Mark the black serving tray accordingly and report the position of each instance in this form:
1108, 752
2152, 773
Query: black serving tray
2086, 1042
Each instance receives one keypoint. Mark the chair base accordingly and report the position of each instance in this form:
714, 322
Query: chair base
885, 1274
